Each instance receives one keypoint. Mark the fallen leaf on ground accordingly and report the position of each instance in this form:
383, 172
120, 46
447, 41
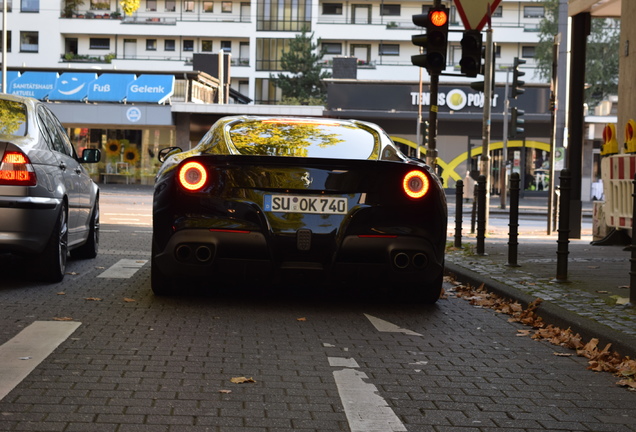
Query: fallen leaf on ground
225, 391
61, 293
242, 380
93, 298
559, 354
62, 319
301, 319
129, 300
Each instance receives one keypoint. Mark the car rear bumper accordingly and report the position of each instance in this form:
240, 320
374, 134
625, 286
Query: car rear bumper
26, 223
246, 256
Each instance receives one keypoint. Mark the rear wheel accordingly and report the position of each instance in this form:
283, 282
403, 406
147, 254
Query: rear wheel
53, 259
91, 247
160, 283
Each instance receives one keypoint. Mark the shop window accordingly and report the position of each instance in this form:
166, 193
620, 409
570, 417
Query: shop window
151, 44
332, 48
332, 8
208, 6
169, 45
99, 43
206, 46
29, 41
188, 45
390, 9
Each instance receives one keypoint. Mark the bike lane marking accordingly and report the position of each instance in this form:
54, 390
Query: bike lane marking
123, 269
20, 355
385, 326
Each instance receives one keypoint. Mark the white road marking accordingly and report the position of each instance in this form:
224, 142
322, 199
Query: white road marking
342, 362
20, 355
366, 411
385, 326
123, 269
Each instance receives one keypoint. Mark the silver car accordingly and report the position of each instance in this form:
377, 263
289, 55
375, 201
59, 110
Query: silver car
49, 206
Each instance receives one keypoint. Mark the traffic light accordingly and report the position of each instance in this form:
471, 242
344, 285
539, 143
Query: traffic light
472, 53
434, 42
516, 123
425, 133
517, 84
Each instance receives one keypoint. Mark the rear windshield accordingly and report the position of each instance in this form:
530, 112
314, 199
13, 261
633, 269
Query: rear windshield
303, 138
13, 117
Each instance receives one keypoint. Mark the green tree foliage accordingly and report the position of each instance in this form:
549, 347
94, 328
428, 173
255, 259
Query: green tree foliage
601, 69
12, 117
130, 6
301, 83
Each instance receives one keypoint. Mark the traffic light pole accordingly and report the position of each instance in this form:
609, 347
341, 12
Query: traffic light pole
485, 154
431, 152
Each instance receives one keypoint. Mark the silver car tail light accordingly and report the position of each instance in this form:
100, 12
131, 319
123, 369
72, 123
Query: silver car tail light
16, 169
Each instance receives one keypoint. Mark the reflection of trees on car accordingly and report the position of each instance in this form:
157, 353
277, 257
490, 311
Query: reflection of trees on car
12, 116
280, 139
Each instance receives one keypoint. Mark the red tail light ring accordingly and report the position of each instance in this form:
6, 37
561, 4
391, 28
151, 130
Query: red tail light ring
193, 176
415, 184
16, 170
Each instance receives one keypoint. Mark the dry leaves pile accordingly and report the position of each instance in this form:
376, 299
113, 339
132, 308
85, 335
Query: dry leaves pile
600, 360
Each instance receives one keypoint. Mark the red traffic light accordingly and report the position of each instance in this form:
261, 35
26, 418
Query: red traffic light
438, 17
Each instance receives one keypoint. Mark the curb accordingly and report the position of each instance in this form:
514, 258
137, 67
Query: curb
551, 313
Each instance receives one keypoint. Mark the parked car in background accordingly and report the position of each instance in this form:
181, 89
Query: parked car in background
299, 201
49, 206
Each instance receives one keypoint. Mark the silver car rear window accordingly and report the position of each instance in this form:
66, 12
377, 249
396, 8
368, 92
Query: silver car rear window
303, 138
13, 118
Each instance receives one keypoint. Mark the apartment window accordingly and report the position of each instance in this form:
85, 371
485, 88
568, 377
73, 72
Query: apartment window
100, 5
498, 13
29, 41
497, 51
332, 48
8, 40
206, 46
188, 6
9, 5
533, 12
171, 5
188, 45
169, 45
269, 52
208, 6
283, 15
99, 43
151, 44
30, 5
332, 8
390, 10
226, 7
151, 5
527, 51
389, 49
226, 46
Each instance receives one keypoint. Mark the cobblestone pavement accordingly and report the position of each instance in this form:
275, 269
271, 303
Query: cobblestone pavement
139, 363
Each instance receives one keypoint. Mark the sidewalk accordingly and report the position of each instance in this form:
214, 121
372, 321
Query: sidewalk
591, 302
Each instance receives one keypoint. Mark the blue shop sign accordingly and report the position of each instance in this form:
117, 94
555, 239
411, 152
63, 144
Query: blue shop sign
151, 89
37, 85
110, 87
72, 86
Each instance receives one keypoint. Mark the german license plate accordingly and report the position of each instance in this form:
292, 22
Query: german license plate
305, 204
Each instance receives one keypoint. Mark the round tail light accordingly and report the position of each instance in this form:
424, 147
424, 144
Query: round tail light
192, 176
415, 184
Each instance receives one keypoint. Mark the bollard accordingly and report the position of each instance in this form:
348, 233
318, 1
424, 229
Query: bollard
481, 214
473, 215
632, 260
459, 200
564, 227
513, 232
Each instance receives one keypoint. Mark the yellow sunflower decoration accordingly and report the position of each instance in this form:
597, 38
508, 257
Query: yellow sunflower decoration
113, 147
131, 155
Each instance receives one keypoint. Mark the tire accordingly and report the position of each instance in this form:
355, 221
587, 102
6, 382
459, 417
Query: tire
91, 247
160, 284
52, 261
